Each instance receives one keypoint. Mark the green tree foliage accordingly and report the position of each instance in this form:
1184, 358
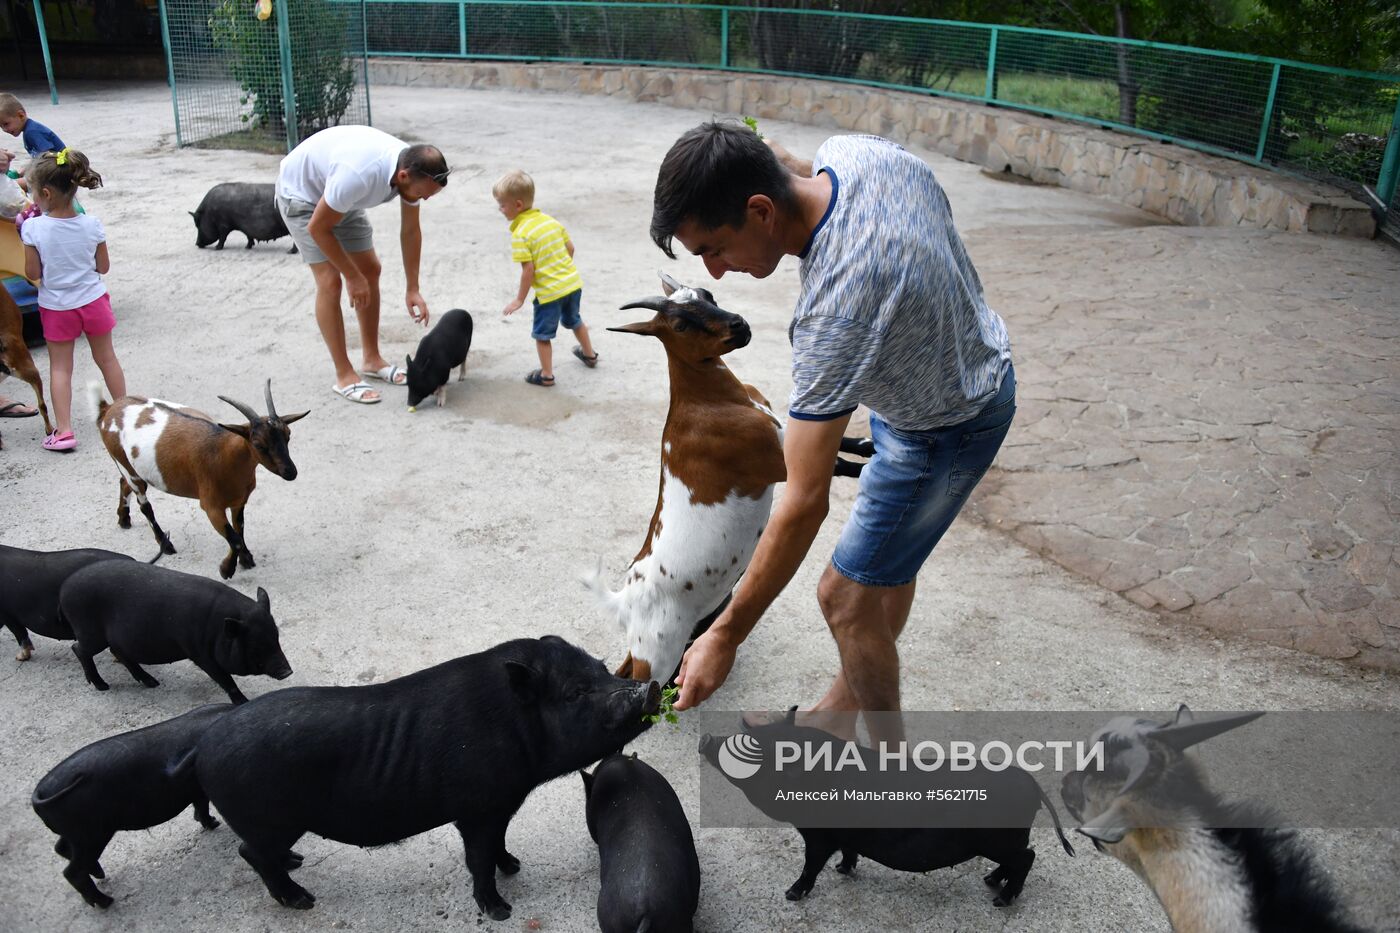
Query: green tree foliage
323, 75
1346, 33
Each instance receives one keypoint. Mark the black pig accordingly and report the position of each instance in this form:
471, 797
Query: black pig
150, 615
441, 348
650, 874
1012, 800
234, 205
135, 780
463, 742
29, 584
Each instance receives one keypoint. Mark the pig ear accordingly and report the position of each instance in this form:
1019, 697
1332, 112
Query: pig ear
233, 627
524, 680
263, 601
587, 782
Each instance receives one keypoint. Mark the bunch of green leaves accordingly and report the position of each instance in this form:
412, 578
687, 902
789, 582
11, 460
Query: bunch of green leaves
668, 700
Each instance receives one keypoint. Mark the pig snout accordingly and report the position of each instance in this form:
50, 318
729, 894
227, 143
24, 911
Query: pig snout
651, 697
279, 669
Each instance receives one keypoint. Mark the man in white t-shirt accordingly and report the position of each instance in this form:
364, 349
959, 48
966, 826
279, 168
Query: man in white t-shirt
323, 190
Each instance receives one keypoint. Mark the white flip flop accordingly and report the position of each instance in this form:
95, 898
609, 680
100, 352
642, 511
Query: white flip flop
355, 392
389, 374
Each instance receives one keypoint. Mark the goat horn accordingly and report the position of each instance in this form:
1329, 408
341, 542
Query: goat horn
267, 391
1184, 735
655, 303
247, 412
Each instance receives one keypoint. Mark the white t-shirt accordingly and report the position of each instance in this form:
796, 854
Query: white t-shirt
68, 251
350, 166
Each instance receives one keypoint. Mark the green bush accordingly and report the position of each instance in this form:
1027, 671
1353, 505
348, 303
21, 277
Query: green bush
323, 75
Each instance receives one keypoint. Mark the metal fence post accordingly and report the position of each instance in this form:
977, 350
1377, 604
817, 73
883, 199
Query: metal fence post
289, 100
462, 29
364, 55
724, 38
170, 70
991, 92
1390, 168
44, 44
1268, 115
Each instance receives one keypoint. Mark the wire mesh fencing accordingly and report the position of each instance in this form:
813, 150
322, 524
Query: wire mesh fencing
1327, 123
264, 74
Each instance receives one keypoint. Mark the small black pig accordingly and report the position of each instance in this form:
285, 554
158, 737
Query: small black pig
1012, 799
441, 348
29, 584
649, 871
150, 615
464, 742
235, 205
135, 780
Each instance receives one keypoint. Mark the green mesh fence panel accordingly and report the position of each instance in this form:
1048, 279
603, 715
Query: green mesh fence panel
640, 33
244, 82
1327, 123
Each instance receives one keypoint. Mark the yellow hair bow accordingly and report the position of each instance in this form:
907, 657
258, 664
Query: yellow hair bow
62, 157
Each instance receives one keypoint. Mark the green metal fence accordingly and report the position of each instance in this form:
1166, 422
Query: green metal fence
264, 76
1325, 122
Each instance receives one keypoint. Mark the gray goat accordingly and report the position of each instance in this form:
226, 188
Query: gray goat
1214, 865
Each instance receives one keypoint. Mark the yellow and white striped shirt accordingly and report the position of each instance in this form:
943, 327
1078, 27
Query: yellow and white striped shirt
536, 237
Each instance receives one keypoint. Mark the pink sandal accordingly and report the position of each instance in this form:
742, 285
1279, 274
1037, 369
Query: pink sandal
60, 442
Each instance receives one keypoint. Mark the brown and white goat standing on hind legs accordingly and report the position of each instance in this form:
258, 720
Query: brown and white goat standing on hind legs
186, 453
721, 455
1215, 866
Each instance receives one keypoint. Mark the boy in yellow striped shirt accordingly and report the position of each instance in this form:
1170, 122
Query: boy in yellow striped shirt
546, 255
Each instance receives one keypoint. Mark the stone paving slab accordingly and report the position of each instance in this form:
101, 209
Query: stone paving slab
1208, 425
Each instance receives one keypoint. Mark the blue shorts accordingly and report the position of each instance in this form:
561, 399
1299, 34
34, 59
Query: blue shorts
551, 314
914, 487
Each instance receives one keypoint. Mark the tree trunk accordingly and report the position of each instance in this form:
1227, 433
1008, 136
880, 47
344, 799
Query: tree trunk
1127, 87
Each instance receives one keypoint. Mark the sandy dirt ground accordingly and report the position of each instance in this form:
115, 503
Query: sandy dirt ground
411, 539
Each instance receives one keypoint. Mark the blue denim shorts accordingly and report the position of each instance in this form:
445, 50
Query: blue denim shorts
914, 487
551, 314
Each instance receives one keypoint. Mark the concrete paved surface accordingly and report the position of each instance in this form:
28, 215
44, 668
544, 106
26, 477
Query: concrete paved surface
410, 539
1210, 424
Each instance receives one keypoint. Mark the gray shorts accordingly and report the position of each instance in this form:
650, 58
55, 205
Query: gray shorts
354, 233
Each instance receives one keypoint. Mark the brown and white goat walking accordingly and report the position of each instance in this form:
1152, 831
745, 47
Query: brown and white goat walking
1215, 866
721, 454
184, 452
14, 355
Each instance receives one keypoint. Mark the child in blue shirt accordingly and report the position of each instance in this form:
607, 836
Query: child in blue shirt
37, 137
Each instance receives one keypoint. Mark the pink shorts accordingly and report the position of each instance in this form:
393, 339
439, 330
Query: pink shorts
94, 319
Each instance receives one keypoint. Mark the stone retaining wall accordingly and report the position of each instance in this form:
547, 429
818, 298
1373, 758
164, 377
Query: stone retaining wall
1180, 184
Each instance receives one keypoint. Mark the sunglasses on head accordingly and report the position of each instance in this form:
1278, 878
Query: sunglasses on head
440, 177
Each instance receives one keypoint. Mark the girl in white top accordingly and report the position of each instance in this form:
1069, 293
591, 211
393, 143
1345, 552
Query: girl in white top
67, 252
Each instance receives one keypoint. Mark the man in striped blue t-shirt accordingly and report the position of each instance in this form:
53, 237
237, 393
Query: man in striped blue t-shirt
890, 316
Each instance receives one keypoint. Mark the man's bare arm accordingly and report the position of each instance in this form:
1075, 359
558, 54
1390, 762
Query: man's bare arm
801, 167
